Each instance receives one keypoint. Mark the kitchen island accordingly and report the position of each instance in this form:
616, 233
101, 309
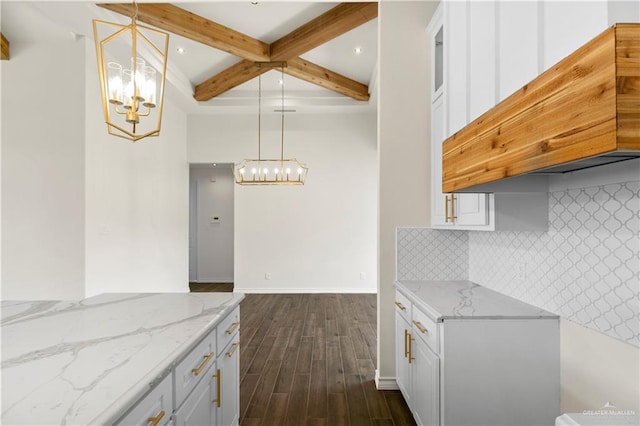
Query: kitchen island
91, 361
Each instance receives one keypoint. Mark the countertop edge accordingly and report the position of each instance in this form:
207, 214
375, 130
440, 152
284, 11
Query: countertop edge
127, 401
439, 317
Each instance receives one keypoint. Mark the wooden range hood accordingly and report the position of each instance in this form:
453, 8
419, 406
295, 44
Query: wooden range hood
585, 111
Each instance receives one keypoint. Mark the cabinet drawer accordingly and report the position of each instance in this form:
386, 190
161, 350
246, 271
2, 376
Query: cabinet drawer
194, 366
228, 328
155, 408
403, 306
425, 328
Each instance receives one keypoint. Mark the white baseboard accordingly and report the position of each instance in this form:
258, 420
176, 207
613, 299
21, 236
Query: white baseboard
271, 290
385, 383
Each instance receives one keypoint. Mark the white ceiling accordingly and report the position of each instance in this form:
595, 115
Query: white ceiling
28, 22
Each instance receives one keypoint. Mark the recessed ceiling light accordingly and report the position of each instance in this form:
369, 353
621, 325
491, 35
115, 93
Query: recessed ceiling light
180, 50
357, 50
281, 81
254, 2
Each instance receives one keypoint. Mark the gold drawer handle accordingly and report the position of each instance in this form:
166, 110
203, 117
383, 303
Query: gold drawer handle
453, 208
401, 306
232, 328
234, 348
410, 349
205, 361
219, 398
153, 421
420, 327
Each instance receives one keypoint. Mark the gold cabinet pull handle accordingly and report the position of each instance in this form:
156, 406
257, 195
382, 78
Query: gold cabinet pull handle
205, 361
233, 327
410, 354
219, 398
420, 327
234, 348
406, 351
153, 421
453, 208
446, 209
401, 306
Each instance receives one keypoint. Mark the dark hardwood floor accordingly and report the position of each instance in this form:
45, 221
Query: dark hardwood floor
211, 287
309, 359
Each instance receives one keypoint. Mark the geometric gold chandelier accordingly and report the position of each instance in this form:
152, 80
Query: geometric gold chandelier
262, 171
132, 88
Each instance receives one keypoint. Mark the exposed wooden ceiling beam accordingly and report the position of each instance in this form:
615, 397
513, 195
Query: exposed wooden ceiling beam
186, 24
327, 26
233, 76
331, 24
245, 70
326, 78
4, 49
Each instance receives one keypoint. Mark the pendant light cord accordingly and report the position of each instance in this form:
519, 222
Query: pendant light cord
259, 112
282, 117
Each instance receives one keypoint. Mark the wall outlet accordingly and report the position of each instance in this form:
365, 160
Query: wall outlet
363, 276
267, 276
522, 271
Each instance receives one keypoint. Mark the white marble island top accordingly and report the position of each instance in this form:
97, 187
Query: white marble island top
87, 362
467, 300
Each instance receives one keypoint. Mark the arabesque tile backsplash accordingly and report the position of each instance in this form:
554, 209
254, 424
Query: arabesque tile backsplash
585, 268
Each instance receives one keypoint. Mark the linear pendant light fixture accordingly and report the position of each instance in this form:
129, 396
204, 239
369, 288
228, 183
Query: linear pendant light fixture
132, 88
262, 171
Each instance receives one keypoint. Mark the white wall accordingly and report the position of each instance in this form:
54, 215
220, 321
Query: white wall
43, 193
403, 154
137, 202
596, 369
314, 238
214, 239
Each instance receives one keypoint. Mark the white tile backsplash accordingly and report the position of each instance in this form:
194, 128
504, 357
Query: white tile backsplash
585, 268
430, 254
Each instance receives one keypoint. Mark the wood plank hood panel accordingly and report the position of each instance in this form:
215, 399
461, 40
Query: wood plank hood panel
582, 112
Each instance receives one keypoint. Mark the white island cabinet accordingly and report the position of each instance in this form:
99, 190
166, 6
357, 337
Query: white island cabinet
125, 359
467, 355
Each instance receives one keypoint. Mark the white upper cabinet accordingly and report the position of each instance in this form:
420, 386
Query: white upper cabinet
482, 58
518, 55
569, 25
456, 61
451, 211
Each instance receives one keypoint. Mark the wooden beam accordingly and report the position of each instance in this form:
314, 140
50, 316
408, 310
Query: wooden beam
246, 70
326, 78
4, 50
189, 25
232, 77
331, 24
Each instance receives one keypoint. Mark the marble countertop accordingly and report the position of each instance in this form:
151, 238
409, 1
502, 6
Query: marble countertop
87, 362
465, 299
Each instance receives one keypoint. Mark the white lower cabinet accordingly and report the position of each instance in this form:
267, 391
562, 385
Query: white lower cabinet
425, 382
198, 408
228, 394
154, 409
403, 375
203, 388
480, 371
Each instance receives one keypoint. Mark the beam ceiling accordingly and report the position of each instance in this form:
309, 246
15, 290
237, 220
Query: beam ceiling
331, 24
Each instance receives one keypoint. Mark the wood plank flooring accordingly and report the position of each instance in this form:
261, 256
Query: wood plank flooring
309, 359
